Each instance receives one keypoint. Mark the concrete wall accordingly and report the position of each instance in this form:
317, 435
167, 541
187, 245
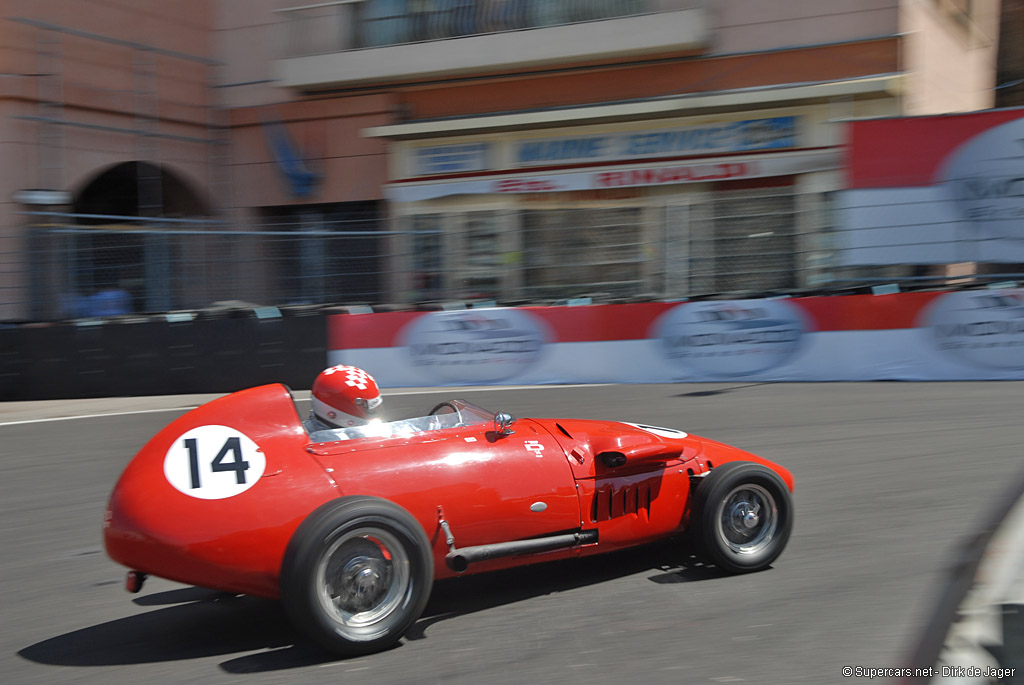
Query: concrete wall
102, 85
753, 25
326, 135
248, 36
951, 66
1010, 63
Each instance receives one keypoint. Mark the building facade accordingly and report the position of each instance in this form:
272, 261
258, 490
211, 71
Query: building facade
106, 111
406, 151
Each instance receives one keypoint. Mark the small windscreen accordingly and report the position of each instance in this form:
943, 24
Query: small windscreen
454, 414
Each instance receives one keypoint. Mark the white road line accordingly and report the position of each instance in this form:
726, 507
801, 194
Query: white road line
454, 391
95, 416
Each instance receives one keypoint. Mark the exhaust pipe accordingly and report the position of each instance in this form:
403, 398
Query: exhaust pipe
459, 560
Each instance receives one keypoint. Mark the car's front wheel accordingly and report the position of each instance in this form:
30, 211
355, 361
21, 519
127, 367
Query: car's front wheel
742, 515
357, 573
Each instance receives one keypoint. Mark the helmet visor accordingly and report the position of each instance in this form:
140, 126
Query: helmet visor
370, 407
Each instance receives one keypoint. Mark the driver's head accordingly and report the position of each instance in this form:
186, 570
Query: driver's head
345, 396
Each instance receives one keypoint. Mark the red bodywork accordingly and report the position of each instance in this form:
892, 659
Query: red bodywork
544, 479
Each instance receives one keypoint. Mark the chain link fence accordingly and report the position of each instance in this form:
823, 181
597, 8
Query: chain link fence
137, 266
732, 244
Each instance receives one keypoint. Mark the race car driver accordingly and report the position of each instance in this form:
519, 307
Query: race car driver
343, 397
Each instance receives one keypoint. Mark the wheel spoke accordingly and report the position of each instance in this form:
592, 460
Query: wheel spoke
363, 577
748, 520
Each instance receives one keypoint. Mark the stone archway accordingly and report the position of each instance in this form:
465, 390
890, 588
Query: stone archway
139, 189
122, 250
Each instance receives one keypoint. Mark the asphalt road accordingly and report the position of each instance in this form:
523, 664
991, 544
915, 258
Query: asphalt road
890, 476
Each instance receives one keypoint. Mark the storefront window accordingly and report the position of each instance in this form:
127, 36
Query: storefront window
725, 240
481, 265
323, 253
426, 257
570, 252
744, 240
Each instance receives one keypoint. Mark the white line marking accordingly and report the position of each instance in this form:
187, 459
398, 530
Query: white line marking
454, 390
95, 416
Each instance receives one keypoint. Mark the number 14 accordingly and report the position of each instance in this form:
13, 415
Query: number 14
233, 446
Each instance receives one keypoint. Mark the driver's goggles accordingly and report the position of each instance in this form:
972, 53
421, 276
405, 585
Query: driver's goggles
371, 405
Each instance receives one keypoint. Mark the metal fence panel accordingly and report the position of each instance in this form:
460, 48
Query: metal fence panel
746, 243
81, 271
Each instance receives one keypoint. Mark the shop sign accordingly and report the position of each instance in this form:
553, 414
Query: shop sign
735, 136
780, 164
452, 159
678, 174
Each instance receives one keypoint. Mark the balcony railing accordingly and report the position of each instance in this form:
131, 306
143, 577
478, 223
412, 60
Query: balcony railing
344, 25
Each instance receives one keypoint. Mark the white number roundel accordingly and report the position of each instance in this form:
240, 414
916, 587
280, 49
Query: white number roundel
658, 430
214, 462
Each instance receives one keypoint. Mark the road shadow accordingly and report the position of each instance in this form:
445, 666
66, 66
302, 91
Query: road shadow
182, 596
719, 391
194, 623
216, 624
461, 596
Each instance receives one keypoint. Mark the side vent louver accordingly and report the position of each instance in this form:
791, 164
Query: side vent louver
610, 502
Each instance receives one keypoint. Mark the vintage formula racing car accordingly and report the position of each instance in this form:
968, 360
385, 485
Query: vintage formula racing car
350, 527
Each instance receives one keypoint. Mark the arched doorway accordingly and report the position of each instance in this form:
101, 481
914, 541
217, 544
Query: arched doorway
123, 242
139, 189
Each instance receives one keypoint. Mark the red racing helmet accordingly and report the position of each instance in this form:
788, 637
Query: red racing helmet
345, 396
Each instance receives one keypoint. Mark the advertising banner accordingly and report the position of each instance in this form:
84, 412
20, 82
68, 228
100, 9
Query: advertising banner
621, 176
934, 190
963, 335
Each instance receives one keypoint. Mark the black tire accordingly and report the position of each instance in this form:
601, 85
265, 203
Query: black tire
742, 516
357, 573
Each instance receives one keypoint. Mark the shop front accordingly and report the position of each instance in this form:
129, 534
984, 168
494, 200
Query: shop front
623, 210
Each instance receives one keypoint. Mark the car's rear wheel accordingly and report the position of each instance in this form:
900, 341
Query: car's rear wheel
356, 574
742, 515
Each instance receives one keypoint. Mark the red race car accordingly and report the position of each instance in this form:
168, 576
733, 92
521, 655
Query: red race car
350, 527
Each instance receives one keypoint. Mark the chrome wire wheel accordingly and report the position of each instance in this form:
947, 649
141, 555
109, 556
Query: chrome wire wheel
362, 578
742, 516
747, 519
356, 574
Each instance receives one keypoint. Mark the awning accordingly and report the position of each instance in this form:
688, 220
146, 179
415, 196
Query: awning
674, 106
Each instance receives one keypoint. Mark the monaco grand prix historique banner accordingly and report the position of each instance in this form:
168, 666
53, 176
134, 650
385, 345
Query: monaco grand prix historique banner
961, 335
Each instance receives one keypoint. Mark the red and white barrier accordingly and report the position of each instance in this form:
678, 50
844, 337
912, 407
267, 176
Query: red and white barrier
964, 335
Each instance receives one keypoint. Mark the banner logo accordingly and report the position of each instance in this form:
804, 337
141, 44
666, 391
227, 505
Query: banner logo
732, 338
985, 178
476, 346
982, 327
